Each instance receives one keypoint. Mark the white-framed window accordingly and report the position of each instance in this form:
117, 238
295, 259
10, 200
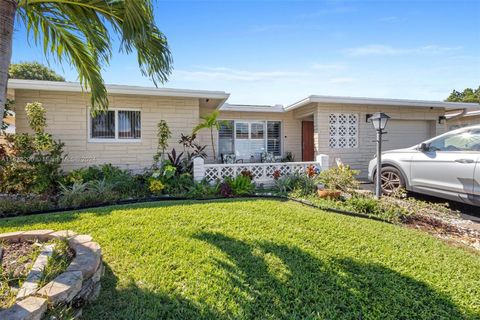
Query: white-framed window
115, 125
343, 130
249, 139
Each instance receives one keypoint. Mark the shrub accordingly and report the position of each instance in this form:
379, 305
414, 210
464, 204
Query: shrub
339, 178
119, 180
203, 189
86, 194
241, 185
15, 205
156, 186
32, 163
226, 190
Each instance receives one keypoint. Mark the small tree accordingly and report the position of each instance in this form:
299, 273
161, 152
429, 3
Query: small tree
32, 163
211, 122
163, 134
33, 71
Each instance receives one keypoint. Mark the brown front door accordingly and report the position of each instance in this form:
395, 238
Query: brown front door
307, 141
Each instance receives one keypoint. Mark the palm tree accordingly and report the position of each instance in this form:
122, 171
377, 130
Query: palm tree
79, 31
211, 122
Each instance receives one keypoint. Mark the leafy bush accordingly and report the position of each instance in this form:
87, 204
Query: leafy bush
298, 182
241, 185
16, 205
117, 179
86, 194
339, 178
32, 162
204, 189
225, 190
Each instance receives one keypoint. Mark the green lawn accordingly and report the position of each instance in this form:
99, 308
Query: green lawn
267, 259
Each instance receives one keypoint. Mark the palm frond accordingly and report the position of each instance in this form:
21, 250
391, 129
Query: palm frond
79, 31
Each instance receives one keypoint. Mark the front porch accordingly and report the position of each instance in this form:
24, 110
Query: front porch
263, 173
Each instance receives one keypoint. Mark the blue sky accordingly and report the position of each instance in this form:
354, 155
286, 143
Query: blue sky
278, 52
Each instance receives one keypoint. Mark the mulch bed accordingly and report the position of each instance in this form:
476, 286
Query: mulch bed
445, 230
17, 257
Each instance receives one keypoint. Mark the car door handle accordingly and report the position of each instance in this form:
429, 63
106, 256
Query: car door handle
464, 160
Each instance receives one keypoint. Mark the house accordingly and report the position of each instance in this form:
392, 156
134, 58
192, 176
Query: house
457, 119
127, 134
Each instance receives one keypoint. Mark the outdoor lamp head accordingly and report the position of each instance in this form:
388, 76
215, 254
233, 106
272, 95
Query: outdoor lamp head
379, 120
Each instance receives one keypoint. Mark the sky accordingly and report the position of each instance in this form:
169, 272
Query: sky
279, 52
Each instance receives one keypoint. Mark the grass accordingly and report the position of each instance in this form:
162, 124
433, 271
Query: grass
266, 259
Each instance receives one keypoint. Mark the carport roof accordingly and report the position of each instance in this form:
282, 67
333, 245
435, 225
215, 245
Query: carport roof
382, 102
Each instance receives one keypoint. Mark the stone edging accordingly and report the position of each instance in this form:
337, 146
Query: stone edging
79, 284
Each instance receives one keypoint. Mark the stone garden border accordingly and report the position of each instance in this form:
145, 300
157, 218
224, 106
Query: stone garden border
79, 284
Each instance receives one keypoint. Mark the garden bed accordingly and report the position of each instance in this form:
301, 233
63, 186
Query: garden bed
48, 272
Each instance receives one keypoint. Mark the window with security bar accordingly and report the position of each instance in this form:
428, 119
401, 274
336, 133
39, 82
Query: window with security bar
116, 125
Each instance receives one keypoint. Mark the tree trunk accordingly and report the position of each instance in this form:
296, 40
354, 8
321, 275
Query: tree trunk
213, 145
7, 19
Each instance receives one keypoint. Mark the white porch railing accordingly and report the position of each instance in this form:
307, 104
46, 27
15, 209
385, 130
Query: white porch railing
262, 172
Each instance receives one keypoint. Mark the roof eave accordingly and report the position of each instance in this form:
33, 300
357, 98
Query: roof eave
116, 89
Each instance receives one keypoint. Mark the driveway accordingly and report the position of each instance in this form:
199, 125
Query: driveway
466, 211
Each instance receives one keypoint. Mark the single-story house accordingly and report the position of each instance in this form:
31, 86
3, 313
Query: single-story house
127, 134
461, 119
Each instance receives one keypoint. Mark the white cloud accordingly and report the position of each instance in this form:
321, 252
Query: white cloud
221, 73
384, 50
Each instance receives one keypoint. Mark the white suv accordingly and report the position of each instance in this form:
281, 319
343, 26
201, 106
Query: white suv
447, 166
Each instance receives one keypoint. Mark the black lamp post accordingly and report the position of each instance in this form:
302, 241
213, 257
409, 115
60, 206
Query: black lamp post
379, 121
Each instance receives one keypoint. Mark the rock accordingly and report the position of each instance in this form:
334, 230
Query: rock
31, 308
79, 239
87, 259
63, 234
99, 273
63, 288
30, 285
40, 235
11, 236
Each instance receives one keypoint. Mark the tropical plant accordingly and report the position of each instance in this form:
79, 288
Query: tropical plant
32, 71
203, 189
240, 185
187, 141
211, 122
163, 134
32, 163
175, 160
80, 32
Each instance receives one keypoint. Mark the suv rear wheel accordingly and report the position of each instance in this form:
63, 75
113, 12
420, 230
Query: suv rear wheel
392, 180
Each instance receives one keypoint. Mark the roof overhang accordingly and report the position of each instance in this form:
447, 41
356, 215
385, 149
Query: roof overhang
116, 89
382, 102
251, 108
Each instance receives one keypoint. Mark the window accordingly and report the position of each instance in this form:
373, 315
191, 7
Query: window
103, 126
465, 141
343, 130
116, 125
274, 138
257, 130
249, 139
225, 138
241, 130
